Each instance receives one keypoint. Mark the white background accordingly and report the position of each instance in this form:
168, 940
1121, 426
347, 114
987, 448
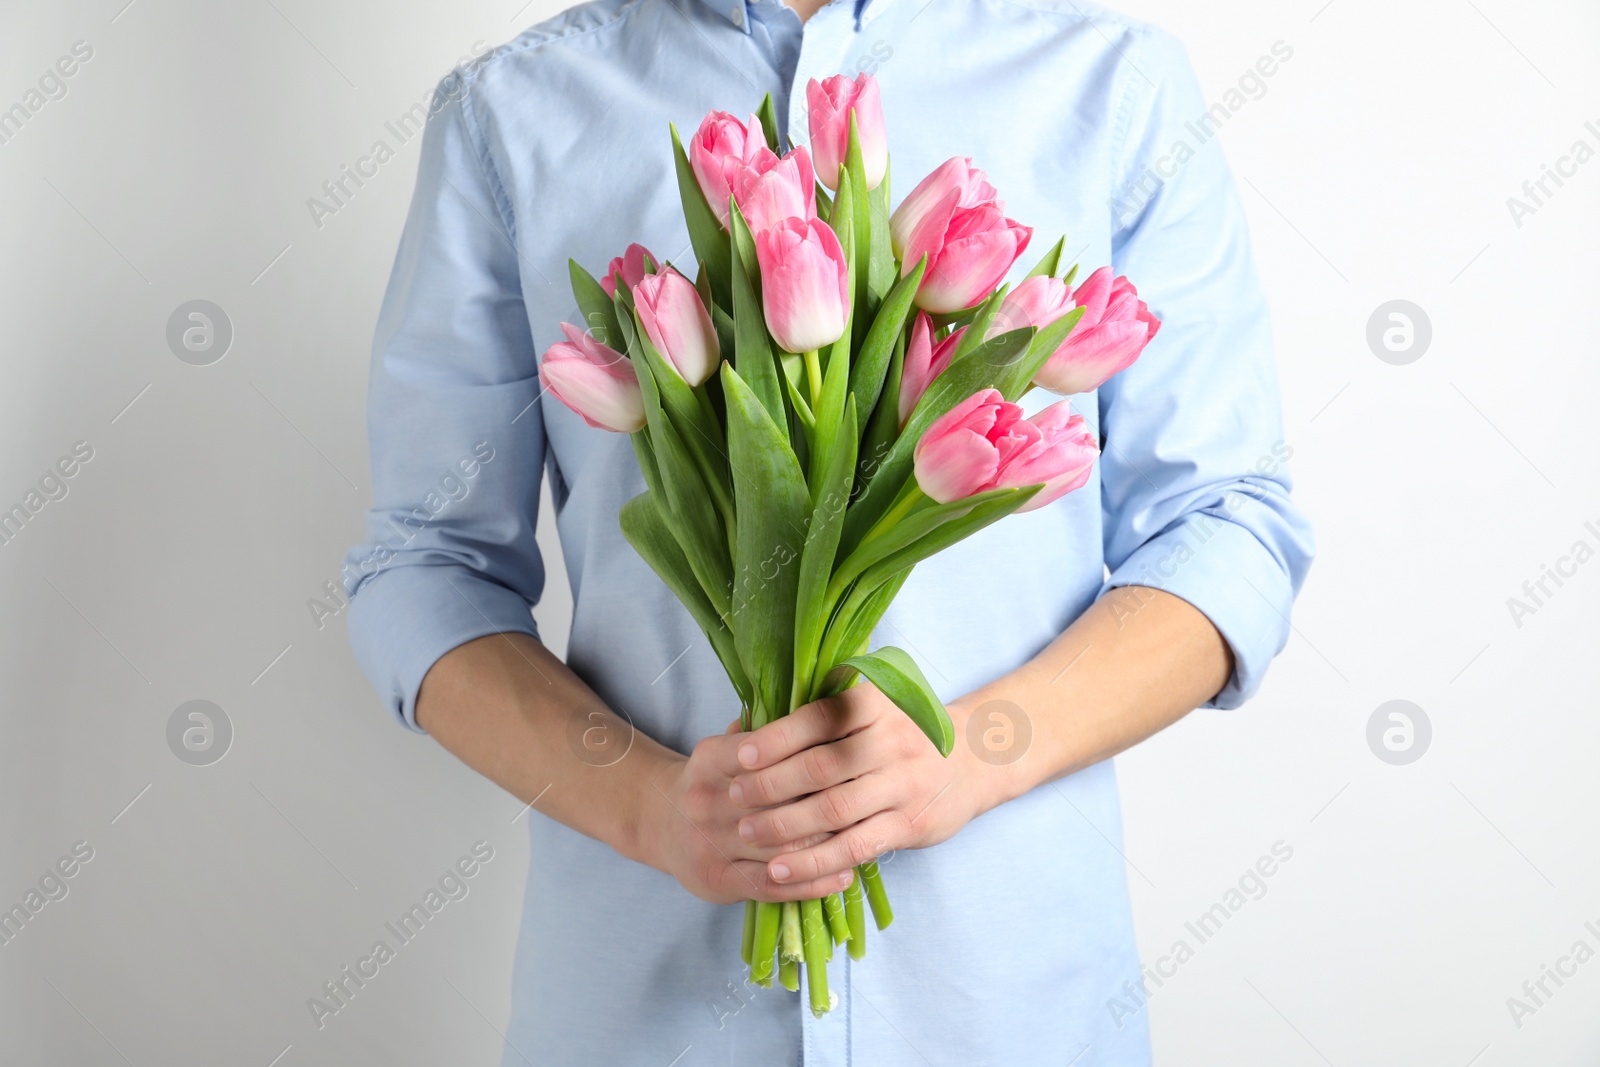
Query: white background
1376, 166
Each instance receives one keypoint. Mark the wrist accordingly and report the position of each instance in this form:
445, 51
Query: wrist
992, 739
644, 833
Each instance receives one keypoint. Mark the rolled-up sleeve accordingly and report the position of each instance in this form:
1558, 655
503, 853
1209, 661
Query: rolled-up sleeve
457, 438
1194, 477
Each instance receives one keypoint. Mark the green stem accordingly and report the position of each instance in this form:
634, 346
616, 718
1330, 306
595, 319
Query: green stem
765, 943
748, 941
816, 945
814, 376
789, 975
877, 897
791, 946
833, 908
855, 914
909, 498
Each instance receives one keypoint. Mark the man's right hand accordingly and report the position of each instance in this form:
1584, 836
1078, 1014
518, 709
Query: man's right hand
505, 706
692, 831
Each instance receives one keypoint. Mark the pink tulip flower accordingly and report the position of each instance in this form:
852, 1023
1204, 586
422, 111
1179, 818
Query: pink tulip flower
805, 284
678, 324
829, 103
718, 148
969, 250
770, 189
629, 268
1115, 327
984, 443
594, 380
924, 362
971, 185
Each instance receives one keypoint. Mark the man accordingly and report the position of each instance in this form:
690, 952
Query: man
1014, 932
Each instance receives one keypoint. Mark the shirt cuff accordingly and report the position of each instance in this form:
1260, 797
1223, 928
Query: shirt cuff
402, 620
1229, 575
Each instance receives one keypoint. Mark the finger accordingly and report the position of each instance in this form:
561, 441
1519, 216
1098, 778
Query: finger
749, 880
719, 753
811, 724
812, 769
804, 821
734, 727
865, 841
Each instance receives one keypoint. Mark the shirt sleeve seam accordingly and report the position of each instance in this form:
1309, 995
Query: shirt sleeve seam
486, 167
1123, 126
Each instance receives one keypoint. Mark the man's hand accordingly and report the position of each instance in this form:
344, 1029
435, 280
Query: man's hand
845, 779
693, 832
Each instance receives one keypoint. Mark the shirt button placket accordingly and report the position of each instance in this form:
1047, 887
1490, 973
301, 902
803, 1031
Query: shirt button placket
824, 40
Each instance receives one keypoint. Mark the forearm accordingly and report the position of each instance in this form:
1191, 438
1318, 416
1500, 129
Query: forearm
513, 712
1133, 664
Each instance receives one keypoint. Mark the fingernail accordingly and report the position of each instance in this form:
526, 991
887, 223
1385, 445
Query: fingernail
780, 873
845, 879
747, 832
747, 755
736, 791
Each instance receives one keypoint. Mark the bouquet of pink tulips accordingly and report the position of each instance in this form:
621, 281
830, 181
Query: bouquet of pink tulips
826, 399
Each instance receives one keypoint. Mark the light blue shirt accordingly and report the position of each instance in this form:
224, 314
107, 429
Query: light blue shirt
1013, 944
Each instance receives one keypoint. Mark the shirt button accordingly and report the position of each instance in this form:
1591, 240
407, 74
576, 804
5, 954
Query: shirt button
737, 15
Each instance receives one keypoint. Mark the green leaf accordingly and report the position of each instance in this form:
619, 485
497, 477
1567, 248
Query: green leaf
705, 232
872, 359
773, 508
1018, 376
882, 268
850, 631
865, 601
982, 316
842, 218
984, 368
752, 347
816, 560
690, 416
672, 472
884, 428
700, 531
599, 312
908, 531
768, 114
829, 428
898, 678
1051, 262
650, 535
990, 508
864, 303
1066, 279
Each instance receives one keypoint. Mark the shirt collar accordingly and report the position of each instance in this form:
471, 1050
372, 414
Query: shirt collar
738, 11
